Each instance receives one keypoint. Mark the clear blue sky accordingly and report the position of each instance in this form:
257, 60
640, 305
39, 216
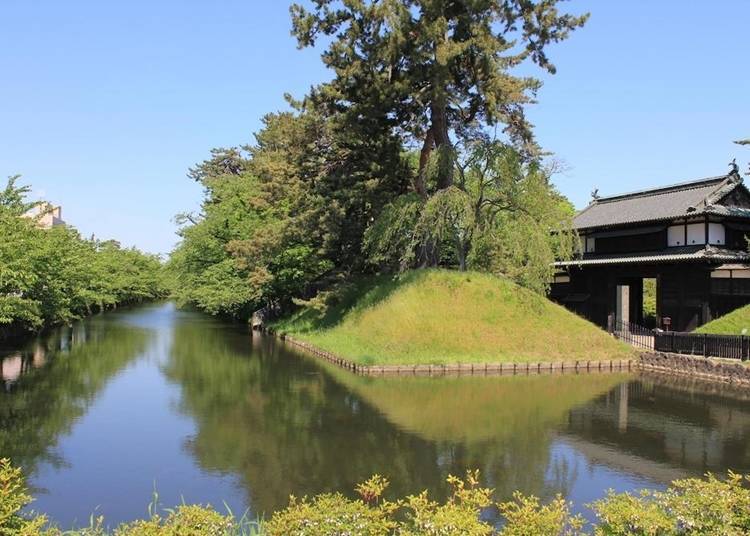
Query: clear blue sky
104, 105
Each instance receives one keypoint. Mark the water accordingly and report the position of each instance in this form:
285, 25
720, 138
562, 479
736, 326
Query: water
102, 414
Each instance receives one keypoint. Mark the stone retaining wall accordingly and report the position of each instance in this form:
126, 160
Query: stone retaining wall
614, 365
712, 369
708, 369
694, 385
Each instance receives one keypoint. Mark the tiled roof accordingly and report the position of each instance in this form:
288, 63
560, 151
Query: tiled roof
658, 204
674, 254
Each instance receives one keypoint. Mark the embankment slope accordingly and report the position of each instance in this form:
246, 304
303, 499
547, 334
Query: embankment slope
445, 317
730, 324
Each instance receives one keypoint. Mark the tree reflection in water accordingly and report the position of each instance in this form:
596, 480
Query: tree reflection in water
250, 421
52, 382
288, 424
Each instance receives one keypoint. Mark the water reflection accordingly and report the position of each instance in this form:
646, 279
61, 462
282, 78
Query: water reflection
53, 380
16, 362
503, 425
284, 425
674, 428
101, 412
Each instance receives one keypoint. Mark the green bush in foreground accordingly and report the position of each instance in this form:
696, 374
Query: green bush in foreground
417, 515
13, 497
709, 506
691, 506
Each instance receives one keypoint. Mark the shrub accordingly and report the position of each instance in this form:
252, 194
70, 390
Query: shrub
184, 521
709, 506
459, 515
525, 516
625, 514
14, 497
332, 514
690, 506
417, 515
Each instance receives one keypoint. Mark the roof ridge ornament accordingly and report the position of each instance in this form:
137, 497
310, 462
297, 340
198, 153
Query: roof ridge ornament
735, 171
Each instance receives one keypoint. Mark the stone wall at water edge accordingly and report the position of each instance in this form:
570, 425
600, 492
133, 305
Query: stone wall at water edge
700, 367
709, 369
545, 367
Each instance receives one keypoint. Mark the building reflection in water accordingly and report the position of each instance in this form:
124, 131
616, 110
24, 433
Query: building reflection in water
15, 364
663, 428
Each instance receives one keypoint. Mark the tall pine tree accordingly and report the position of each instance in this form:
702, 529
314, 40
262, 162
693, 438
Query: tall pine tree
435, 68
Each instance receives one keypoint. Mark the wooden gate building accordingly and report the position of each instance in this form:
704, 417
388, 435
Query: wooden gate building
689, 237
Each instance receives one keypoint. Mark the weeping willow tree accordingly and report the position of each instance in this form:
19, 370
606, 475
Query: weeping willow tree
502, 215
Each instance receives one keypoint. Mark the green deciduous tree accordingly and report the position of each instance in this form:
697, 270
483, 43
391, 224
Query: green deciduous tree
50, 276
332, 188
286, 214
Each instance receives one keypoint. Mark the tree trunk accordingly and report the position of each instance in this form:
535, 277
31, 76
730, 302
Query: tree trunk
461, 253
429, 254
442, 143
420, 185
436, 138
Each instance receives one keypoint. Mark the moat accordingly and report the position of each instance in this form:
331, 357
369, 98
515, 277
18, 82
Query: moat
102, 414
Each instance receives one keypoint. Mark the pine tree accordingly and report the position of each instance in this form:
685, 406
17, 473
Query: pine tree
435, 68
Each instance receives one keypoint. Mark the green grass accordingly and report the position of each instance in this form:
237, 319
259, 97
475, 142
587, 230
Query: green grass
730, 324
441, 317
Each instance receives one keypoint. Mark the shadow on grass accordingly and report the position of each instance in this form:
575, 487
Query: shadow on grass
350, 299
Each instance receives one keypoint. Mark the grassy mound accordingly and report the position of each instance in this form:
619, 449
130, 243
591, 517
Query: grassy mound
730, 324
440, 317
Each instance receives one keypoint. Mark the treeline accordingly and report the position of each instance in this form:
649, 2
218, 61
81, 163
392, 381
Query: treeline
417, 153
53, 276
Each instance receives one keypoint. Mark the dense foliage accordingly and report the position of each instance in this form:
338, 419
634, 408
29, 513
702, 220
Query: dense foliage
280, 221
417, 153
284, 216
13, 498
501, 215
50, 276
688, 507
649, 302
441, 74
438, 71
